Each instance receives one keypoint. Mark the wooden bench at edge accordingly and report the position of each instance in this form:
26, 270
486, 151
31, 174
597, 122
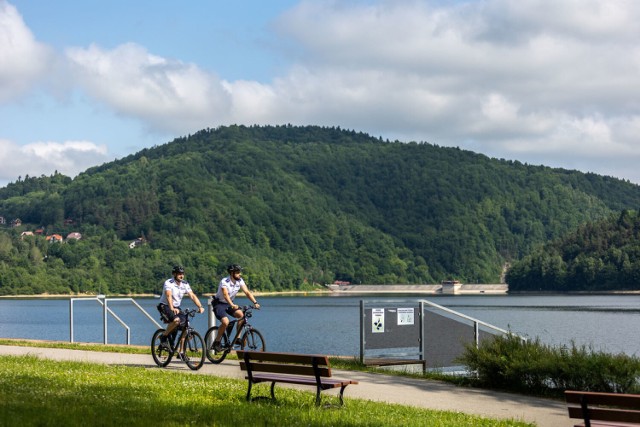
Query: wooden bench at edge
291, 368
603, 409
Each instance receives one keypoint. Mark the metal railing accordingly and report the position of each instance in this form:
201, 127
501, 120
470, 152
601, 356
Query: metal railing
102, 300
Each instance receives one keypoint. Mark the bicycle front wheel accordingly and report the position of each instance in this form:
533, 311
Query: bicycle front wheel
213, 355
252, 340
161, 352
194, 351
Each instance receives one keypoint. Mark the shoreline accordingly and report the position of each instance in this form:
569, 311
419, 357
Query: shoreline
147, 295
384, 289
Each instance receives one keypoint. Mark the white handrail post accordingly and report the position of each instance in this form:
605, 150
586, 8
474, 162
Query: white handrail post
362, 334
70, 319
476, 333
423, 345
104, 319
211, 318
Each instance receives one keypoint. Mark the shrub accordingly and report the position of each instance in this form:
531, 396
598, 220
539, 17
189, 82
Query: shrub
528, 366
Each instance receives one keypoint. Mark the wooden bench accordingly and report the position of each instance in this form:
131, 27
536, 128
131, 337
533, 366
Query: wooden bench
603, 409
291, 368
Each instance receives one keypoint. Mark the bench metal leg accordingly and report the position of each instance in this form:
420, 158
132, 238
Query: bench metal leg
585, 411
250, 399
341, 392
273, 393
249, 392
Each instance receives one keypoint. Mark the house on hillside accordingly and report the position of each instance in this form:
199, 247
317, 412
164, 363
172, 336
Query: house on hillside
54, 238
26, 233
138, 242
16, 222
39, 231
75, 235
3, 221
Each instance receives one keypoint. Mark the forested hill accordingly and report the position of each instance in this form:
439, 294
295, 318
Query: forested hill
598, 256
296, 206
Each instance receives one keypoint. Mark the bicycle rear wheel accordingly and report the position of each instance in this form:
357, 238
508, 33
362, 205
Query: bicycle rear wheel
161, 352
216, 356
252, 340
194, 351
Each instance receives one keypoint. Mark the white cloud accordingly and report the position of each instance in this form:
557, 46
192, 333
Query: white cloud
44, 158
555, 81
167, 94
23, 61
546, 81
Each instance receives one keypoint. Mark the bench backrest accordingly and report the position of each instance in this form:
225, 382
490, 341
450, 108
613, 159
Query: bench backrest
616, 407
285, 363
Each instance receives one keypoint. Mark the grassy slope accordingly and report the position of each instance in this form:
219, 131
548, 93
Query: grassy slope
44, 392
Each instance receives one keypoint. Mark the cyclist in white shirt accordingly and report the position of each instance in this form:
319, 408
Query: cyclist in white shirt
173, 291
223, 301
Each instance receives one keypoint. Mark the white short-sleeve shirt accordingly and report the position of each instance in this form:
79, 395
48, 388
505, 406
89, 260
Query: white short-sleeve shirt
231, 287
178, 291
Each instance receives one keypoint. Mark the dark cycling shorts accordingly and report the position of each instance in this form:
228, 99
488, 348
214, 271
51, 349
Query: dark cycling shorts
170, 314
220, 309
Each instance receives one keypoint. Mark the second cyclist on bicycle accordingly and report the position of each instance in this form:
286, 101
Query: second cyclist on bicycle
223, 302
173, 291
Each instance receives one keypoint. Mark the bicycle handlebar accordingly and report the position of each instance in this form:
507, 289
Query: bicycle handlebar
247, 309
190, 312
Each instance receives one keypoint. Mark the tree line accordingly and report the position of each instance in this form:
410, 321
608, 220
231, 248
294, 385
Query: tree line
298, 206
598, 256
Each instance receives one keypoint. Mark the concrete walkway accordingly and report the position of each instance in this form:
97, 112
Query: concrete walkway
376, 387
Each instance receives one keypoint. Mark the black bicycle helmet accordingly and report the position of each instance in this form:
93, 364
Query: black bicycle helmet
233, 267
178, 269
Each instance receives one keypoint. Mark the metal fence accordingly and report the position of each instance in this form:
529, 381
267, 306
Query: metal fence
417, 331
106, 311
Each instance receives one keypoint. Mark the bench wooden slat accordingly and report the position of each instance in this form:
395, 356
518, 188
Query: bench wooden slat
607, 424
263, 356
606, 414
326, 384
286, 369
611, 399
291, 368
604, 408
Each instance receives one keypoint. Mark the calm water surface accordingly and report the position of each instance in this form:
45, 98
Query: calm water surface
330, 324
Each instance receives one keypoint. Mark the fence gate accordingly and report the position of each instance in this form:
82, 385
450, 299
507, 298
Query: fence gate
394, 332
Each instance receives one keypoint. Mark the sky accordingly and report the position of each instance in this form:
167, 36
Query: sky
551, 82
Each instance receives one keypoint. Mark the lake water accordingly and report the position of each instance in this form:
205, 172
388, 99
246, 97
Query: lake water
330, 324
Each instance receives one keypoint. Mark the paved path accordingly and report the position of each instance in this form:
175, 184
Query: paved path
377, 387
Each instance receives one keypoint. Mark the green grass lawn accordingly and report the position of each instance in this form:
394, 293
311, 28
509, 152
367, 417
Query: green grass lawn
51, 393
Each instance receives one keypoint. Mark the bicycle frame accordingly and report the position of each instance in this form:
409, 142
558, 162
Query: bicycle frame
176, 339
247, 313
232, 325
246, 336
186, 342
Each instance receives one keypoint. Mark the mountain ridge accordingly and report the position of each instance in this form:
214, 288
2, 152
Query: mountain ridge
303, 205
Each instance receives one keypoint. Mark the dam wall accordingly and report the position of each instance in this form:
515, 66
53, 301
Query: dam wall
463, 289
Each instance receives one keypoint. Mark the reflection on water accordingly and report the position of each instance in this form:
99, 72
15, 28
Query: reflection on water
330, 324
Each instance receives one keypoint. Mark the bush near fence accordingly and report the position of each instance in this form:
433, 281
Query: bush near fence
511, 363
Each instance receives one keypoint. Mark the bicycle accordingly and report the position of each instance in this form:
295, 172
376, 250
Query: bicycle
251, 338
193, 354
